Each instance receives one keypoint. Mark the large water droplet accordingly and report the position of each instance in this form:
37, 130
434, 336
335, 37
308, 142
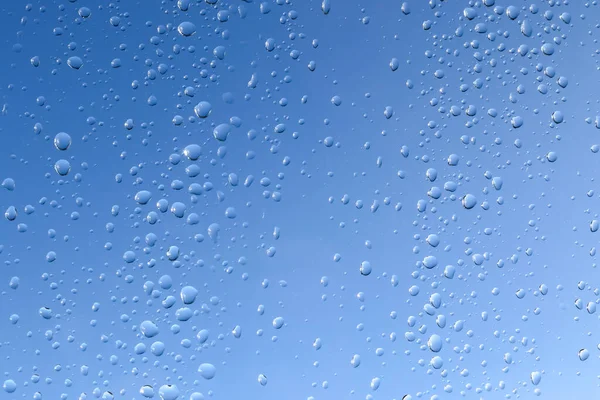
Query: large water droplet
207, 371
75, 62
168, 392
262, 379
9, 386
186, 28
221, 132
583, 354
143, 197
62, 167
62, 141
469, 201
435, 343
536, 377
149, 329
203, 109
365, 268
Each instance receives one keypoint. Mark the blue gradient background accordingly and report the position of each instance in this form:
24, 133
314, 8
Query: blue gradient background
539, 230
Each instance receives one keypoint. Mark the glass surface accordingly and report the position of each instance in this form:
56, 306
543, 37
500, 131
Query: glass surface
333, 199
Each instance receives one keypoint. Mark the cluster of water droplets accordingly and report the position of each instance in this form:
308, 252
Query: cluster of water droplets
225, 150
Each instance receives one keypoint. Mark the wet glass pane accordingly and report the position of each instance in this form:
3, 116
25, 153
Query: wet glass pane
299, 199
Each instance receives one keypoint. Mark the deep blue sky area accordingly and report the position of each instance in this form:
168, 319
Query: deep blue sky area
227, 199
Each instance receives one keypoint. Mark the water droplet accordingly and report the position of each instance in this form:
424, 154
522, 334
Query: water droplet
46, 313
433, 240
552, 156
557, 117
168, 392
149, 329
512, 12
51, 256
62, 167
437, 362
516, 122
270, 44
221, 132
591, 307
278, 322
336, 100
75, 62
470, 13
375, 383
562, 82
188, 294
143, 197
365, 268
62, 141
497, 182
203, 109
207, 371
262, 379
449, 271
237, 332
147, 391
435, 343
192, 152
186, 28
213, 231
453, 160
178, 209
469, 201
14, 282
547, 49
430, 262
9, 386
388, 112
129, 257
9, 184
536, 377
84, 12
173, 253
